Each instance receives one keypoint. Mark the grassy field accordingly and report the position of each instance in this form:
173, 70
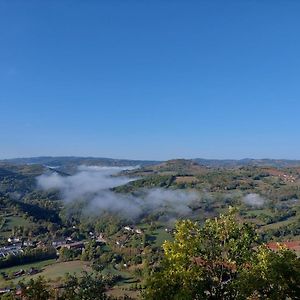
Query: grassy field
110, 270
157, 236
16, 221
53, 271
120, 291
127, 277
279, 224
59, 269
123, 287
10, 223
258, 212
50, 269
37, 265
161, 236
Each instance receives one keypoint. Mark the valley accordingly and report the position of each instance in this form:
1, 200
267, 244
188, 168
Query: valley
44, 231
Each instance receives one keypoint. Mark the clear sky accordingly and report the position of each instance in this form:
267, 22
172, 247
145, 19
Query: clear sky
152, 79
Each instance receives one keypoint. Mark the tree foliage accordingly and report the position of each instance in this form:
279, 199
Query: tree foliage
88, 287
220, 261
36, 290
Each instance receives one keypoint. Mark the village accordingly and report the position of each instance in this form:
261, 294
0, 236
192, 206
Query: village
17, 246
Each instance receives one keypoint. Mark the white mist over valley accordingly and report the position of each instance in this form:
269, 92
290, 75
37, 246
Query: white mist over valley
94, 184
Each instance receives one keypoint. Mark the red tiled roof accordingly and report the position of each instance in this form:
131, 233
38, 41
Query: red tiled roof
293, 245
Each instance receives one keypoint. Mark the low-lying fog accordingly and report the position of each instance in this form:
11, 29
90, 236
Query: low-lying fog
93, 184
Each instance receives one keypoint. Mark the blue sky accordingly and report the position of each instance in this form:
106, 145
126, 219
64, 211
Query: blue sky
150, 79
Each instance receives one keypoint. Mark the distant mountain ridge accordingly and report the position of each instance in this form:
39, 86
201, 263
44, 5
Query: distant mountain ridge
60, 161
230, 163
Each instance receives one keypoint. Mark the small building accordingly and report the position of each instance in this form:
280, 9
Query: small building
76, 245
14, 239
19, 273
28, 243
11, 250
4, 291
32, 271
101, 239
58, 243
128, 228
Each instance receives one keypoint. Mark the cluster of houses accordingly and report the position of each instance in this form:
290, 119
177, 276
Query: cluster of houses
21, 272
285, 177
67, 243
70, 244
288, 178
124, 239
15, 246
133, 229
11, 249
16, 274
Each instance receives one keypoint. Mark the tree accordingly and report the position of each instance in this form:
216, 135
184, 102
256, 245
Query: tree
7, 296
217, 261
37, 290
90, 251
87, 287
273, 276
66, 254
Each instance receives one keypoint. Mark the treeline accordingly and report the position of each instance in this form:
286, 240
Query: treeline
290, 230
86, 286
37, 212
28, 256
278, 217
148, 182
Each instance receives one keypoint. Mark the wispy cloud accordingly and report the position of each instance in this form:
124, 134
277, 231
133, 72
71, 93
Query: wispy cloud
253, 200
